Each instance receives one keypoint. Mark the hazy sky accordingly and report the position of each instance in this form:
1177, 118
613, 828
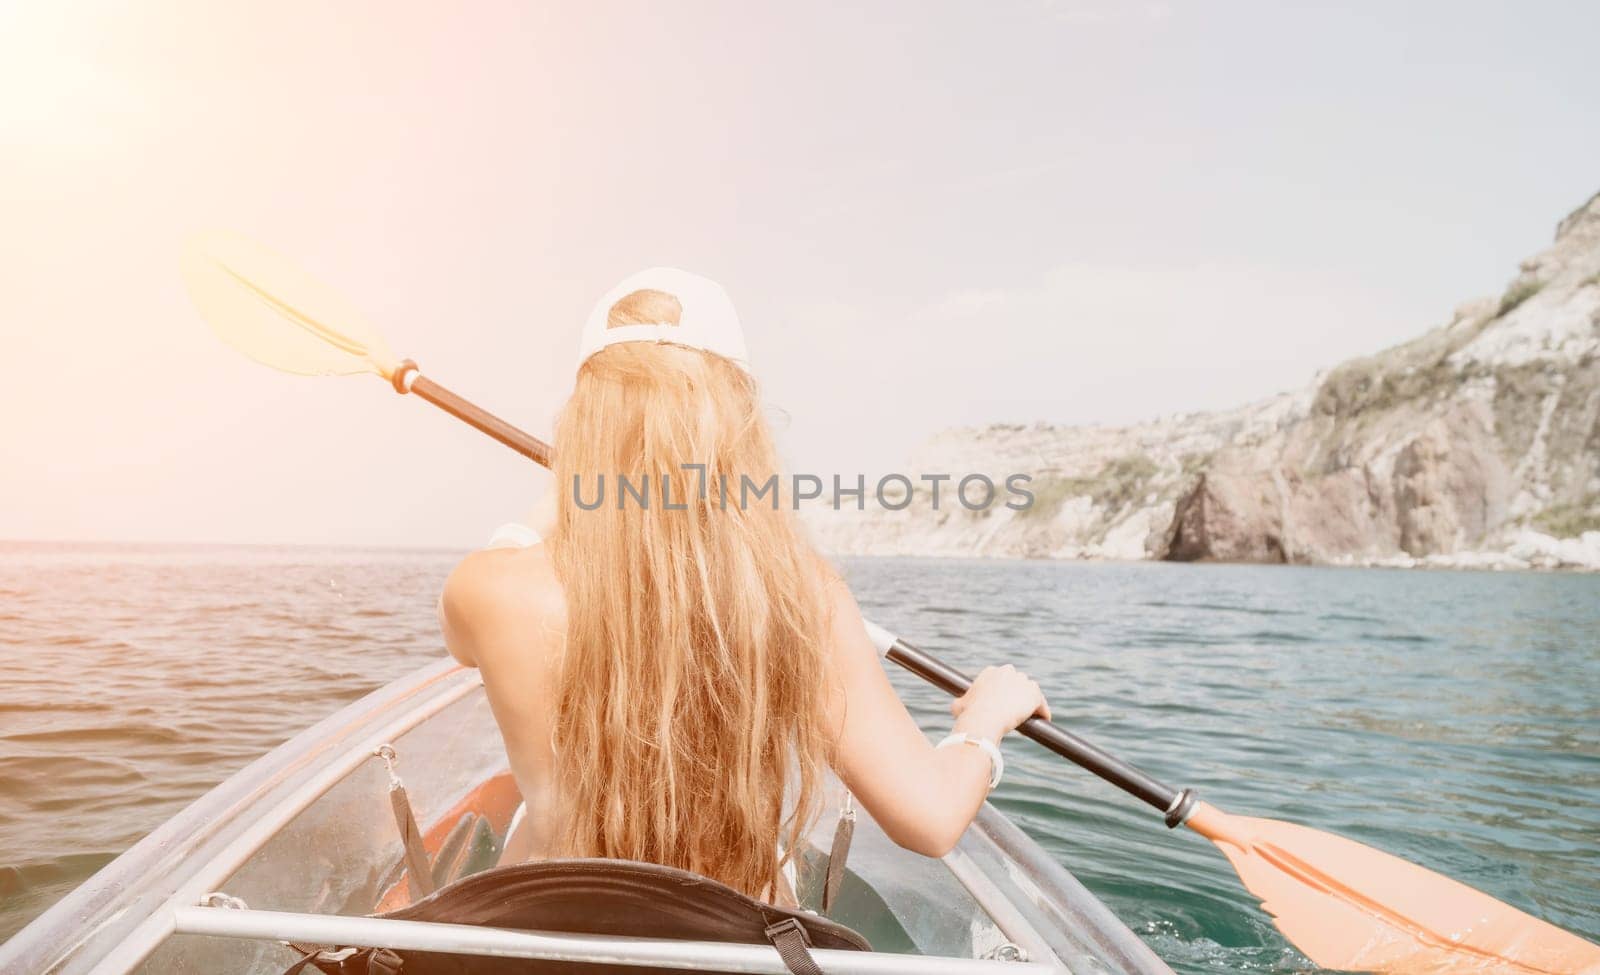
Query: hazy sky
928, 214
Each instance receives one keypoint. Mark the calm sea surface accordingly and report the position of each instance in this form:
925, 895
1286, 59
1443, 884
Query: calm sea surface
1451, 718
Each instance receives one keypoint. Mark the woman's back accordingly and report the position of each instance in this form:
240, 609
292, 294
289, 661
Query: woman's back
503, 612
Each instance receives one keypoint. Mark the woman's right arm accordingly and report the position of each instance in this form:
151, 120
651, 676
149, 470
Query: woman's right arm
923, 797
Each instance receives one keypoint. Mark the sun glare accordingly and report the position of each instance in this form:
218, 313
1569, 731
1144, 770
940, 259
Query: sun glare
51, 92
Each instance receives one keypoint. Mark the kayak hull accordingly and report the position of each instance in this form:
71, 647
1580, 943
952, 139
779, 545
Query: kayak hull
308, 829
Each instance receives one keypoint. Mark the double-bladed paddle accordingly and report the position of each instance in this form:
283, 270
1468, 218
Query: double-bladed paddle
1345, 905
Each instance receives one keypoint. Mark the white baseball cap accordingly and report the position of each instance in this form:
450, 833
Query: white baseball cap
707, 322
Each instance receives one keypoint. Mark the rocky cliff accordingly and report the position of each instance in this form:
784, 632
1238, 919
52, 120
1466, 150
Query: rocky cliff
1477, 444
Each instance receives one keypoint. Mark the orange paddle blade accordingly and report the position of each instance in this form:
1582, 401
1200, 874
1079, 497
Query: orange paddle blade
1350, 907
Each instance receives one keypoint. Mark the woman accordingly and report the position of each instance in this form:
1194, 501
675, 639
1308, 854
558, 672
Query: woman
670, 658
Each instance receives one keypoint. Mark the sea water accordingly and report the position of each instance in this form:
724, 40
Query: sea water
1451, 718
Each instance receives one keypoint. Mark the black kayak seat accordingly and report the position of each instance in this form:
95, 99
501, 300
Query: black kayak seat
601, 897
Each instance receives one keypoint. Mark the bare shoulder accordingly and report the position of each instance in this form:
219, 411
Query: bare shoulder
499, 599
500, 580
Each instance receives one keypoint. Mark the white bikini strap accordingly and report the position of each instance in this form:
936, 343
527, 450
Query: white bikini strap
514, 535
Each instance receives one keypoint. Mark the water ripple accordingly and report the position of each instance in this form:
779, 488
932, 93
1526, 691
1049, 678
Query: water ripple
1446, 717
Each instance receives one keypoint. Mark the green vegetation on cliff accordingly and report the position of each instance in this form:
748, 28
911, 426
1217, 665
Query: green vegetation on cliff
1120, 481
1570, 520
1516, 295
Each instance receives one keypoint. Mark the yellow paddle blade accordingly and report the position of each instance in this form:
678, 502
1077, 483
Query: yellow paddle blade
266, 307
1350, 907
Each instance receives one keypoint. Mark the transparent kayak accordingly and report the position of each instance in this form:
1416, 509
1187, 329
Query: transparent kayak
301, 845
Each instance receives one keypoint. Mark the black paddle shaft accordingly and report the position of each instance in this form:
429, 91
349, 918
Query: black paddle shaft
408, 380
1174, 803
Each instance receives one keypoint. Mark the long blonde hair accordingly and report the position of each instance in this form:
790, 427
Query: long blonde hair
694, 679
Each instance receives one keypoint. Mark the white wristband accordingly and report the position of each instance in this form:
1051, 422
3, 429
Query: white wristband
996, 763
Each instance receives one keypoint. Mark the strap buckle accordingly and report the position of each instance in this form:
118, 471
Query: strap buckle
382, 961
787, 927
793, 943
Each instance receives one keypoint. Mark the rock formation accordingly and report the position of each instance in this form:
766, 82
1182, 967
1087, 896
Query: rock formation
1477, 444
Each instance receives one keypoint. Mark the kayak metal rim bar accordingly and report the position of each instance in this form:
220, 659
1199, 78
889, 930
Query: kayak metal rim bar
704, 956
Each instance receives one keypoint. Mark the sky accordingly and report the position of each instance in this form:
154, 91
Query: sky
930, 214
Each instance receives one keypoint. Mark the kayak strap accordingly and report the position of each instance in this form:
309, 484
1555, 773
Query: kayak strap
418, 869
789, 937
839, 852
347, 961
